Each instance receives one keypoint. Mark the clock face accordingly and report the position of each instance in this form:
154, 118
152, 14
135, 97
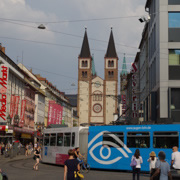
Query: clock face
97, 84
97, 108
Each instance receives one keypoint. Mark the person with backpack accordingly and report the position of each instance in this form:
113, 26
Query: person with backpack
71, 166
137, 161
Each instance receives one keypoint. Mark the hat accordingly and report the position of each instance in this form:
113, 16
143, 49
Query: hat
153, 154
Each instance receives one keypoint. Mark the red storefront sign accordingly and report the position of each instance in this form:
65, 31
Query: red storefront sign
2, 128
23, 108
3, 90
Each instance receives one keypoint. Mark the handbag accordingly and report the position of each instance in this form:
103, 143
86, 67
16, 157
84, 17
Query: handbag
78, 175
133, 163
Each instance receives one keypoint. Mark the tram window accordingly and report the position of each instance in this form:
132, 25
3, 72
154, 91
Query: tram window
111, 137
53, 140
46, 140
138, 139
67, 139
73, 139
60, 139
165, 139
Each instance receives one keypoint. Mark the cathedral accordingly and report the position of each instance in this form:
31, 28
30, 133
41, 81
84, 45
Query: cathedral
97, 97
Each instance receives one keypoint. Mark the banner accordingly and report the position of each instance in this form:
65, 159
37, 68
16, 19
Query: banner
55, 113
23, 108
17, 98
50, 112
12, 105
3, 90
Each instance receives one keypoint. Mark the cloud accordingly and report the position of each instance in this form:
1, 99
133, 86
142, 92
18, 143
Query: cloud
20, 10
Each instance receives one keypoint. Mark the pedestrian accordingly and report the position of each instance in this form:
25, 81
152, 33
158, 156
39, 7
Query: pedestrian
152, 162
162, 168
139, 161
2, 148
175, 158
26, 148
70, 166
37, 158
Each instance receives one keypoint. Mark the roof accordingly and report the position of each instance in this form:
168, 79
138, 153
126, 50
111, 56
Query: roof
85, 50
124, 67
111, 50
72, 99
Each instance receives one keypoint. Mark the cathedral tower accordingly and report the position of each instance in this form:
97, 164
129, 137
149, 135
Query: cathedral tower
110, 81
84, 81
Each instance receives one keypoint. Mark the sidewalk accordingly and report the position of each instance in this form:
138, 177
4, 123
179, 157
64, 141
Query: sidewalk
4, 160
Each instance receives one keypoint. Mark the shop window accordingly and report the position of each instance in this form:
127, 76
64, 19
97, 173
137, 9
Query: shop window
60, 139
165, 139
113, 137
138, 139
67, 139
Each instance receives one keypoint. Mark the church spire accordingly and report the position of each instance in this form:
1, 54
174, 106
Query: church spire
111, 50
85, 50
124, 67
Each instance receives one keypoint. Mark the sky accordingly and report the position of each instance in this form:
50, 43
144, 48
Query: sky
53, 52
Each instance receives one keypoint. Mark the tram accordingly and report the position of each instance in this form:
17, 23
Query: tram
57, 142
110, 147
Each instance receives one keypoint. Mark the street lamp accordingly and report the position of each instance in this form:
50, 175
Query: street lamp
41, 26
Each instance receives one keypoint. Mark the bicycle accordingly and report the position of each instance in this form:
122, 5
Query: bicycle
84, 166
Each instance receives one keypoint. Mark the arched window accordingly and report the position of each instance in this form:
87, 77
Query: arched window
86, 64
82, 73
82, 63
110, 74
97, 96
112, 63
85, 74
109, 63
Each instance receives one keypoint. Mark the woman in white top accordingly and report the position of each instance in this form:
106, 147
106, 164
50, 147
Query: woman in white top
139, 161
152, 162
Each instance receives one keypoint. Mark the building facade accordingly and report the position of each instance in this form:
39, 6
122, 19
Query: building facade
97, 97
164, 63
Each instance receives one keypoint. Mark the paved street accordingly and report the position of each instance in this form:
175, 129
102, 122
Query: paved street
22, 169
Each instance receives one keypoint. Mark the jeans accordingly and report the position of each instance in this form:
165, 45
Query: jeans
136, 171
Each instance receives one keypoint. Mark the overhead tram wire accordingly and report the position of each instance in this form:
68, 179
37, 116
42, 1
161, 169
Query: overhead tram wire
67, 34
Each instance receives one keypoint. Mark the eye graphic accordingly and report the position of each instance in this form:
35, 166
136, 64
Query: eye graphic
105, 159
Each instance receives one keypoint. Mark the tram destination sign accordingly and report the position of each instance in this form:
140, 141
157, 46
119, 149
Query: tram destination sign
3, 92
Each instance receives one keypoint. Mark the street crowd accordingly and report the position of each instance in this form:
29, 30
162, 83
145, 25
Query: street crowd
159, 168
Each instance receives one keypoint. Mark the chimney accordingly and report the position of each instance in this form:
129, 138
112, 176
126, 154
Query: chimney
2, 48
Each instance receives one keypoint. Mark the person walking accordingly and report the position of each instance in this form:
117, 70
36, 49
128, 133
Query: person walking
38, 158
162, 168
26, 148
139, 161
152, 162
175, 158
70, 166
